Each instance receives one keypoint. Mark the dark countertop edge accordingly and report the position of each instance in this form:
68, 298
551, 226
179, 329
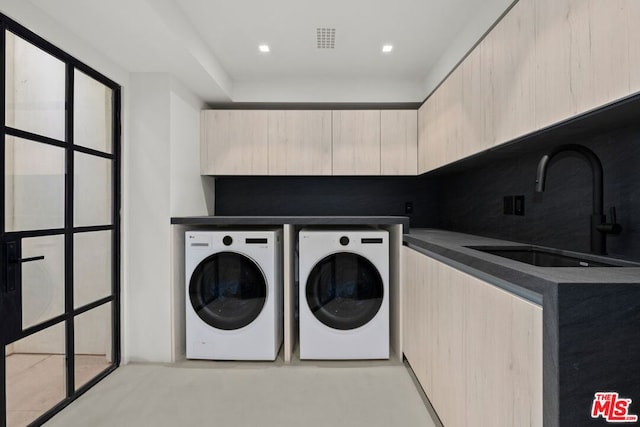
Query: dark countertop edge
295, 220
528, 287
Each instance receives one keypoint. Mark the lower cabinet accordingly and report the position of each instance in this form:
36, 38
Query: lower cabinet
475, 348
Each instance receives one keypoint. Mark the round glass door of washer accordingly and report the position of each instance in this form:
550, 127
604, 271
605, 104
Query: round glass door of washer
228, 290
344, 291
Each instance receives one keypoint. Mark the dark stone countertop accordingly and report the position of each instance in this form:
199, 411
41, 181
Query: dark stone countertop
294, 220
520, 278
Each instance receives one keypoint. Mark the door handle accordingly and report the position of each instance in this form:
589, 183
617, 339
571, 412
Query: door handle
21, 260
11, 265
11, 269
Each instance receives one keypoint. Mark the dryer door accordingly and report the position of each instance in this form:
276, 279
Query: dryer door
228, 290
344, 291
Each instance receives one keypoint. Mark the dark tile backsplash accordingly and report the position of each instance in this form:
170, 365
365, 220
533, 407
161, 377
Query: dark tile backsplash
360, 196
471, 200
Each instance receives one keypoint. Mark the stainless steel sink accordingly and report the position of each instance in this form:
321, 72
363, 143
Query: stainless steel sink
544, 257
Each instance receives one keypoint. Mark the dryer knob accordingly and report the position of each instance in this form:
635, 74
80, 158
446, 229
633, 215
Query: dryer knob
227, 240
344, 240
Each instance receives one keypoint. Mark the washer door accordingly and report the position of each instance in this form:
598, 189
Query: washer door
344, 291
228, 290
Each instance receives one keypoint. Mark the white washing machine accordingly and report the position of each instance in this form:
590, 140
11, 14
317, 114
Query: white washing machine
344, 294
233, 294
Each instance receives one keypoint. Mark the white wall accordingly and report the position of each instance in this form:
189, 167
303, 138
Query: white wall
164, 181
357, 90
148, 328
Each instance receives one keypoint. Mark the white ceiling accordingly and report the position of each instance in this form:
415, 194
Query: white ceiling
212, 45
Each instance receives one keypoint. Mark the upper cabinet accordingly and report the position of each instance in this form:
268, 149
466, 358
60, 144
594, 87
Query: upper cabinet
508, 62
356, 142
233, 142
544, 62
313, 142
584, 53
398, 142
299, 142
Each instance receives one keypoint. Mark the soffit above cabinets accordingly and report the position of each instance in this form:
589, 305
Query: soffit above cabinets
212, 45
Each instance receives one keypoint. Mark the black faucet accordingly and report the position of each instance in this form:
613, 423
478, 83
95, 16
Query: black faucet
599, 228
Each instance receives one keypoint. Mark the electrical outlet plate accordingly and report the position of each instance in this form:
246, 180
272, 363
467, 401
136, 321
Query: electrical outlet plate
408, 207
508, 205
518, 205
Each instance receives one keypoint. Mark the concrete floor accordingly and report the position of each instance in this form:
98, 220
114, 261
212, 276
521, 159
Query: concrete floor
230, 394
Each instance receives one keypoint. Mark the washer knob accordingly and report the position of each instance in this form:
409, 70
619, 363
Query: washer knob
227, 240
344, 240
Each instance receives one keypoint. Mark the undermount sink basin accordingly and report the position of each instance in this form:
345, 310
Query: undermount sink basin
542, 257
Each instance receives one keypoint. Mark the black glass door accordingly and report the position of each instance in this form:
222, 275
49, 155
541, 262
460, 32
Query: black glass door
59, 227
228, 290
344, 291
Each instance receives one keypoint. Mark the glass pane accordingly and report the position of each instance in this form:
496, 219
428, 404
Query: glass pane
36, 379
92, 112
34, 185
91, 267
92, 190
92, 331
42, 280
35, 89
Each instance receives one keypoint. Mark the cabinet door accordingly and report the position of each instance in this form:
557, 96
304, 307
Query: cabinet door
414, 314
431, 134
471, 345
584, 54
633, 15
399, 142
601, 51
356, 142
477, 104
299, 142
440, 125
434, 307
508, 55
233, 142
503, 354
424, 116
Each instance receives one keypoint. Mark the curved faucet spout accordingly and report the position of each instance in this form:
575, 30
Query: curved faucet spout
596, 172
598, 225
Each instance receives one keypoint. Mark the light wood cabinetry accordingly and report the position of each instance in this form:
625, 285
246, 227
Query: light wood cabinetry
633, 12
424, 135
313, 142
584, 54
435, 130
544, 62
299, 142
356, 142
398, 142
508, 54
477, 105
475, 349
233, 142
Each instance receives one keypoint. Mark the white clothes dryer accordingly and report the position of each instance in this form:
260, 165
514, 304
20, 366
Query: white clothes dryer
233, 294
344, 294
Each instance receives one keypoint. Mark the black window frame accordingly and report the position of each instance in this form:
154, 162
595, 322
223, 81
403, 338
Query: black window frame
69, 230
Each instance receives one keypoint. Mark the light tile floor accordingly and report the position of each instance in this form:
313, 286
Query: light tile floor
36, 383
235, 394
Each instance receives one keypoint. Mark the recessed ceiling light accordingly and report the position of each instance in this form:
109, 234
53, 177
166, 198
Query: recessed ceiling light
387, 48
264, 48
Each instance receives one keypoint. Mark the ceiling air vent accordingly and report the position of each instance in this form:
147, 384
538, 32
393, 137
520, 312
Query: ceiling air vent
325, 38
